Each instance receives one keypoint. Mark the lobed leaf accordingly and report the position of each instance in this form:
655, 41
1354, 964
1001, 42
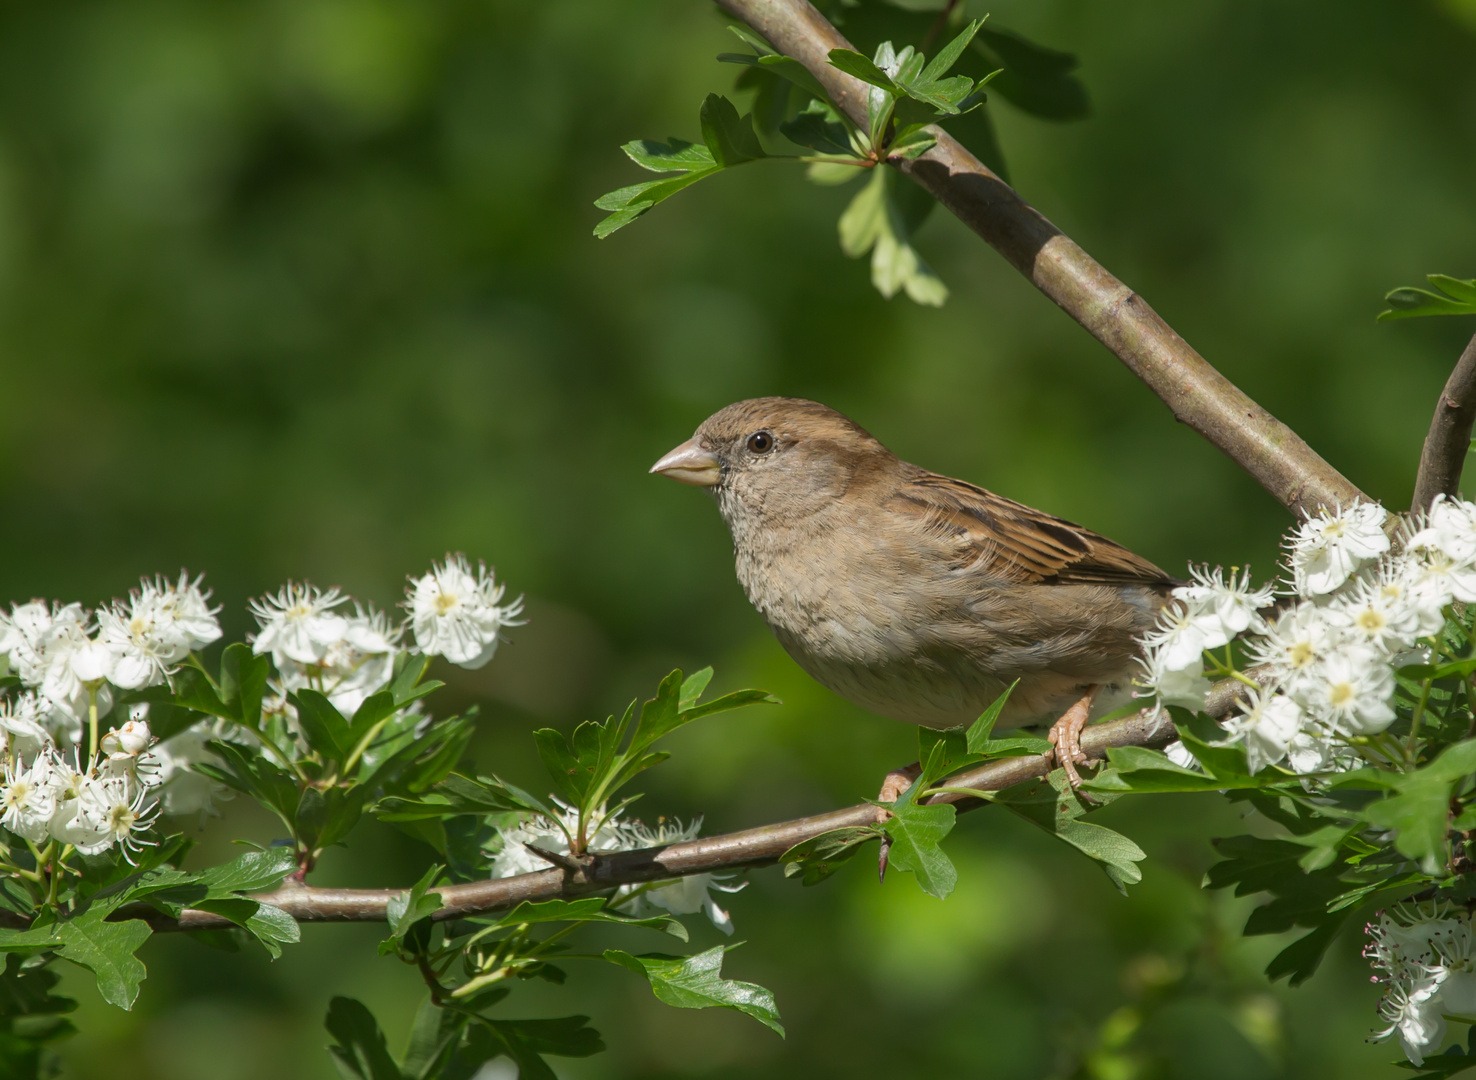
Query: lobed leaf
696, 982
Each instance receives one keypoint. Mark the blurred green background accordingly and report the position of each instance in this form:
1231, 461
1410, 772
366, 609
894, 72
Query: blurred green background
307, 288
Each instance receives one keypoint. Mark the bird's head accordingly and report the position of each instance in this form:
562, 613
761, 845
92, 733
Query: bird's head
776, 458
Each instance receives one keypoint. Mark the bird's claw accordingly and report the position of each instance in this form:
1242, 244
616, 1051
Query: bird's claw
1065, 736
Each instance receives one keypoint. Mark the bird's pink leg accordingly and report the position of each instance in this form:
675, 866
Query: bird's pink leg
1065, 735
893, 785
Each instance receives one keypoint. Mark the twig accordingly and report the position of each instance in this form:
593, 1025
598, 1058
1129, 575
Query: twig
1197, 394
1449, 439
761, 846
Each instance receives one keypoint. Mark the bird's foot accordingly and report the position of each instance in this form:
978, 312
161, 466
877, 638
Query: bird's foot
1065, 736
893, 785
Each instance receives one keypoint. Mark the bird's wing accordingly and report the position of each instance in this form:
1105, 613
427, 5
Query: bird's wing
1016, 542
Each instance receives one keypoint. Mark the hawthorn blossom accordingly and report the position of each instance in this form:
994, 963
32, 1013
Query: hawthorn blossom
1185, 686
298, 624
362, 661
1383, 613
1326, 550
157, 627
1223, 607
185, 611
1350, 691
688, 895
1295, 643
26, 799
1423, 954
1268, 723
455, 613
21, 720
1450, 528
117, 815
181, 790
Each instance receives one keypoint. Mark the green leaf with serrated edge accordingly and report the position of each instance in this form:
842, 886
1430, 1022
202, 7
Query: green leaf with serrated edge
323, 726
738, 699
457, 794
982, 729
815, 859
1456, 297
1053, 806
730, 137
273, 928
255, 871
696, 982
106, 949
873, 222
243, 679
570, 775
947, 56
592, 909
917, 832
1136, 768
418, 902
410, 669
912, 145
854, 64
940, 753
360, 1051
193, 690
677, 155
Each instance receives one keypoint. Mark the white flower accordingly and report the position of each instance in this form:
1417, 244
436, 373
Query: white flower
143, 637
21, 719
1296, 642
1180, 755
1186, 687
27, 799
688, 895
1314, 751
1349, 691
455, 613
514, 858
115, 815
1435, 579
1423, 955
1327, 549
133, 737
298, 623
1383, 612
1267, 724
362, 661
1223, 609
1450, 528
185, 611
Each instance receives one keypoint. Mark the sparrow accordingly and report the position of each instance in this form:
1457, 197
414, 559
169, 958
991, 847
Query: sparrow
914, 595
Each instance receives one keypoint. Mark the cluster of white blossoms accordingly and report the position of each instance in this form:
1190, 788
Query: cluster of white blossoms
1423, 954
71, 661
1356, 611
453, 611
48, 795
685, 896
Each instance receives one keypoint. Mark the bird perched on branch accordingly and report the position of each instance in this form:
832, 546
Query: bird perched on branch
914, 595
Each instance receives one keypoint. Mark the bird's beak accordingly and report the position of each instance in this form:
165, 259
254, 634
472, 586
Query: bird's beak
690, 464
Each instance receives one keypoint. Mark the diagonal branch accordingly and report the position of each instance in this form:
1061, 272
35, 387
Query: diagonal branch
1194, 391
1449, 440
756, 847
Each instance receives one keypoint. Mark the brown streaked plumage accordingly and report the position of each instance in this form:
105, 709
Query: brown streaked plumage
914, 595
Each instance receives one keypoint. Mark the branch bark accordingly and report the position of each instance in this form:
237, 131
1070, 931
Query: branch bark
1449, 440
1119, 318
756, 847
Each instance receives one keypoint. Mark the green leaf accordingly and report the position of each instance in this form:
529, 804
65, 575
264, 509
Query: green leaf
1055, 807
360, 1051
526, 1041
982, 729
106, 949
1456, 297
815, 859
692, 687
696, 982
874, 222
1136, 768
949, 54
23, 940
677, 155
783, 66
590, 909
323, 726
416, 903
1300, 959
193, 690
1420, 811
273, 928
243, 679
729, 137
255, 871
917, 832
433, 1038
854, 64
816, 129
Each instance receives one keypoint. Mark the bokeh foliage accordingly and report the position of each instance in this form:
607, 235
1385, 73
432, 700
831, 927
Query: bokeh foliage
308, 287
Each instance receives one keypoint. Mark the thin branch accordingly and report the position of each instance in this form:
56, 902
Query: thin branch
761, 846
1449, 440
1197, 394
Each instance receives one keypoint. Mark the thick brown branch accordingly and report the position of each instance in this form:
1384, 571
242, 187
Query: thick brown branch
1449, 439
1197, 394
761, 846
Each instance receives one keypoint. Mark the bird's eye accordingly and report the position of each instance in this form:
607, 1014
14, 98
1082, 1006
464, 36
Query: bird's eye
760, 442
